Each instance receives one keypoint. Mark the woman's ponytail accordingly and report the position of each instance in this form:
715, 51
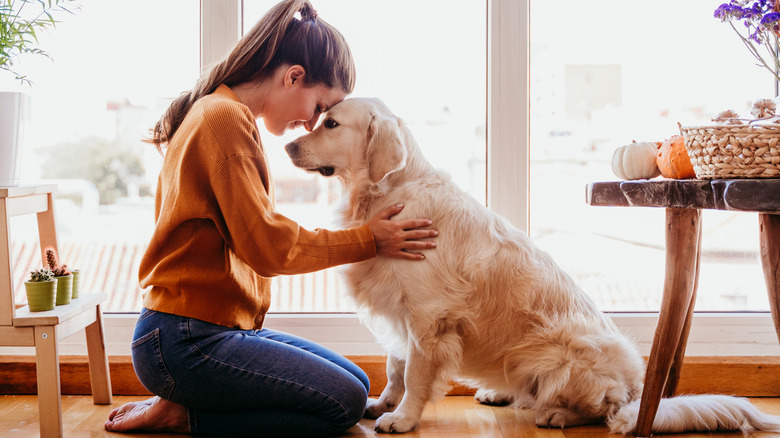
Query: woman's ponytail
277, 38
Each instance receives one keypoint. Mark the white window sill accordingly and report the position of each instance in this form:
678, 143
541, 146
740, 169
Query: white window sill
712, 334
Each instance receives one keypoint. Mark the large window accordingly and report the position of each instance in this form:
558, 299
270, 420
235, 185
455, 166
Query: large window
601, 82
96, 101
598, 79
115, 68
595, 84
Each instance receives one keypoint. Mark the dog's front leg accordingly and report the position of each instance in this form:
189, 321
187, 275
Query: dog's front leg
422, 373
392, 393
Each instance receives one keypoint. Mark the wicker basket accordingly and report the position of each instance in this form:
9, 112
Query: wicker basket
734, 151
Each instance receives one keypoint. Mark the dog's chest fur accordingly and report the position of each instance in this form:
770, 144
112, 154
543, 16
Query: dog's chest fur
438, 292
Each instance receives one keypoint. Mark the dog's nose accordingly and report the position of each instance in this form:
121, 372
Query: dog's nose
291, 148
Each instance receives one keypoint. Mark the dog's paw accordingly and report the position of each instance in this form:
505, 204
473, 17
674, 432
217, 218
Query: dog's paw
562, 417
392, 422
555, 417
375, 408
551, 418
492, 398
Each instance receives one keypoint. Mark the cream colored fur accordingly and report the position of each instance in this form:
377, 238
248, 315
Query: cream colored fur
486, 306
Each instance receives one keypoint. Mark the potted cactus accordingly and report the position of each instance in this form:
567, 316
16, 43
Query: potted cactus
63, 275
41, 290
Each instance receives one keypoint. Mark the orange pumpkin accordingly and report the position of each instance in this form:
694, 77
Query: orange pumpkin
673, 160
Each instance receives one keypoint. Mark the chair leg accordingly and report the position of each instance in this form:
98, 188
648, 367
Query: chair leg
682, 236
47, 364
769, 226
99, 375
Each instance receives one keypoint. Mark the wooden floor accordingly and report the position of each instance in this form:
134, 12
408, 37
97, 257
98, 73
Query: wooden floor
451, 418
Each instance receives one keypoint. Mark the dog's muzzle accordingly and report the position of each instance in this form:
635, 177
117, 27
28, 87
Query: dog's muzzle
293, 151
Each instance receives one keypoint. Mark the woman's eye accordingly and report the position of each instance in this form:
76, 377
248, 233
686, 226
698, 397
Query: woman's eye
330, 123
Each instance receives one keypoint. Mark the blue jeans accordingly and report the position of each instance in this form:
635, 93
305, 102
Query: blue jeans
247, 382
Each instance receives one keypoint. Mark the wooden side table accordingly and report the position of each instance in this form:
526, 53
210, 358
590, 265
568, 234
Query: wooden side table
43, 330
683, 201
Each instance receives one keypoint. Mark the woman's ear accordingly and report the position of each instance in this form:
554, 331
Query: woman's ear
294, 75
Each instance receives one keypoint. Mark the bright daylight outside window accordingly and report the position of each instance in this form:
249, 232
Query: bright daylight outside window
112, 78
596, 84
426, 61
115, 68
601, 82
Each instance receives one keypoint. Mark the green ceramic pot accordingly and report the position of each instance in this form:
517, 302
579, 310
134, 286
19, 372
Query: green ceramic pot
64, 289
41, 295
75, 284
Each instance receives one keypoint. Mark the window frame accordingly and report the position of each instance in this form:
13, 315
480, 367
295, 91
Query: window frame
712, 334
507, 85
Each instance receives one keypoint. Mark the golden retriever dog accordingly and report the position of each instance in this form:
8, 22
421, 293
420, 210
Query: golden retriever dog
486, 307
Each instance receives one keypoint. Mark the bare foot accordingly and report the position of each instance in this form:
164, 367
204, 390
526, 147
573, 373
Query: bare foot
154, 414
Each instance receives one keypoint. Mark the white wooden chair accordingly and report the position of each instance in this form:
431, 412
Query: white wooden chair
43, 330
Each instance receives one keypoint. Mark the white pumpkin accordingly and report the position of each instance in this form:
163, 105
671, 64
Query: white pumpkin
636, 161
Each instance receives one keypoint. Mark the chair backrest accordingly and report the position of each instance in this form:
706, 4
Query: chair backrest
17, 201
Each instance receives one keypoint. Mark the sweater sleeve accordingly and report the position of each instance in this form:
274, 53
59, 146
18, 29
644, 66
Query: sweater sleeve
269, 242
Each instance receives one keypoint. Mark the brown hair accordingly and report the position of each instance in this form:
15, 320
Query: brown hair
277, 39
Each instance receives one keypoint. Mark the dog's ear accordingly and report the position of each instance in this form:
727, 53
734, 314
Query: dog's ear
385, 150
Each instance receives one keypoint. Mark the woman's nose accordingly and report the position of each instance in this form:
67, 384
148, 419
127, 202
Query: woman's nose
311, 123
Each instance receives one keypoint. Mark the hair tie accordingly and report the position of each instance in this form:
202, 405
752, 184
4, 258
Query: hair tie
311, 14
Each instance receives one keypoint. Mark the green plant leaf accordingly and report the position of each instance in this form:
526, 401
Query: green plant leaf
19, 34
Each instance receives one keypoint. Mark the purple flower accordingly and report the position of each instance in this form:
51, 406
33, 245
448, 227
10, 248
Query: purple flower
728, 12
736, 11
761, 27
769, 21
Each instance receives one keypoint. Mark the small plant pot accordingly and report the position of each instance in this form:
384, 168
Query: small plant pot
75, 294
64, 289
41, 295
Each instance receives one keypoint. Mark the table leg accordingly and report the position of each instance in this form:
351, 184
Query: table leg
683, 227
674, 374
769, 226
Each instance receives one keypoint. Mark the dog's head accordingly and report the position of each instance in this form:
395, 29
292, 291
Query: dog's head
358, 136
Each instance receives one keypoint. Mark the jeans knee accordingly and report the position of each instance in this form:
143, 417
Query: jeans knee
357, 410
353, 408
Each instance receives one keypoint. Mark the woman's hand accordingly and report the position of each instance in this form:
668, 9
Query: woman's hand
400, 239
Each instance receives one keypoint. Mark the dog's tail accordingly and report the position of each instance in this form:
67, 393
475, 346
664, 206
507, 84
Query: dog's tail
697, 413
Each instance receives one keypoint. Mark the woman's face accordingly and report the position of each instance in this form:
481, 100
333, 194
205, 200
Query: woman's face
298, 104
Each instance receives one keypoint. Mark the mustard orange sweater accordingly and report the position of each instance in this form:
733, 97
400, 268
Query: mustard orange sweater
217, 237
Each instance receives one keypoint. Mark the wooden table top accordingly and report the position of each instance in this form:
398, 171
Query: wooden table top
756, 195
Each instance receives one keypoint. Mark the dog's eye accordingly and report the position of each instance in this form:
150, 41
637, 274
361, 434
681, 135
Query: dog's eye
330, 123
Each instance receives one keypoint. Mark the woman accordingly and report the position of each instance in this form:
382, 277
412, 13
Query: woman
199, 344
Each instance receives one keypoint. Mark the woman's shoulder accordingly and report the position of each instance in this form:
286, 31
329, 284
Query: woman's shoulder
225, 115
218, 105
219, 122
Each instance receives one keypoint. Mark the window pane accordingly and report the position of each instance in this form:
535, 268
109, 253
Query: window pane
426, 61
115, 68
601, 82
